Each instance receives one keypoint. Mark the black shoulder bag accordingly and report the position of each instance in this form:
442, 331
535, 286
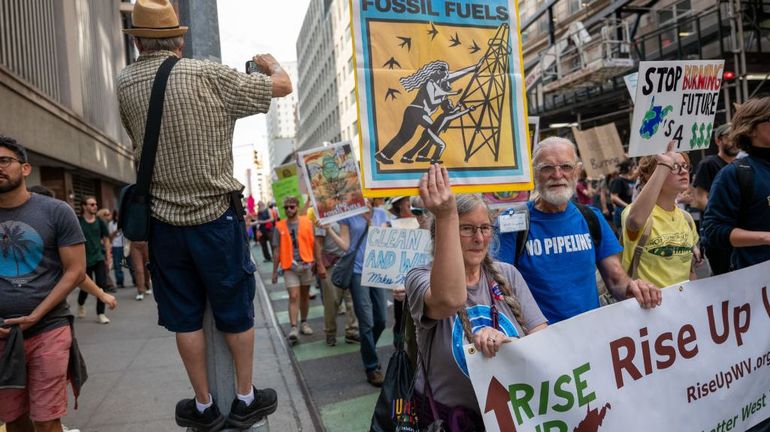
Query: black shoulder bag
395, 409
135, 199
342, 275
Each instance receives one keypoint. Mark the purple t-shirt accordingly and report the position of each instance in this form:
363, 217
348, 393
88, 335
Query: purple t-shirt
448, 371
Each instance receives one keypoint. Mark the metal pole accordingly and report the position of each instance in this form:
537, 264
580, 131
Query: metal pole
742, 51
735, 49
202, 42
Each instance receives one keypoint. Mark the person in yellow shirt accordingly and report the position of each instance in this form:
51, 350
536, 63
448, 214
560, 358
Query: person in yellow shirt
665, 233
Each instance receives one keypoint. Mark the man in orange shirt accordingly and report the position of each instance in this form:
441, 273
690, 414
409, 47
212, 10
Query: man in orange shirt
293, 251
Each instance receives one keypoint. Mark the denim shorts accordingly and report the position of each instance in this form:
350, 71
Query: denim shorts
194, 264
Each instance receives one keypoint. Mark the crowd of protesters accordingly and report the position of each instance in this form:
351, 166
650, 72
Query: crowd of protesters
655, 244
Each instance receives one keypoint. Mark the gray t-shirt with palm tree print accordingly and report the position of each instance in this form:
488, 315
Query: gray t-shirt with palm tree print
30, 266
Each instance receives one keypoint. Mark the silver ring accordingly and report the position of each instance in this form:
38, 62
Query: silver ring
491, 339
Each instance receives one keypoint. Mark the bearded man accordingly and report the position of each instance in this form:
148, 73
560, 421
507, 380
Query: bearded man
560, 256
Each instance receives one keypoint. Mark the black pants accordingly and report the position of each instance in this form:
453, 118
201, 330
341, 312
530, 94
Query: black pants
264, 241
719, 260
97, 272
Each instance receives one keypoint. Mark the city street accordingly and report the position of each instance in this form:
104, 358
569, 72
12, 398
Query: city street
136, 376
334, 375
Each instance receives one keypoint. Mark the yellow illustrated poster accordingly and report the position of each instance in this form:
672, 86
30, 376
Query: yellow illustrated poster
440, 82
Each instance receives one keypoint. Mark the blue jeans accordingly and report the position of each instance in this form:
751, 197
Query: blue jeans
117, 264
370, 306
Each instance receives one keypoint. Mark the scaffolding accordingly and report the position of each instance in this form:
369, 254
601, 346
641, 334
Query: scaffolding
581, 59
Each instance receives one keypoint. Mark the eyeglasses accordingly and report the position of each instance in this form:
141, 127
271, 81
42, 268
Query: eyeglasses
548, 169
681, 168
288, 207
5, 161
470, 230
91, 204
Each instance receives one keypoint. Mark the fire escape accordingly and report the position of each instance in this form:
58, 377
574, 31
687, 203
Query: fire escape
579, 76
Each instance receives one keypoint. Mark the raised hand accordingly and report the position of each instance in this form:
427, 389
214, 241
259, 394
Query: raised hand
436, 193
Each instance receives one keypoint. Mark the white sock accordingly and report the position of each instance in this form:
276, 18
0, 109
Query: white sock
247, 399
202, 407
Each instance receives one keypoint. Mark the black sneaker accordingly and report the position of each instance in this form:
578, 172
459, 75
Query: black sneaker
243, 416
187, 415
352, 339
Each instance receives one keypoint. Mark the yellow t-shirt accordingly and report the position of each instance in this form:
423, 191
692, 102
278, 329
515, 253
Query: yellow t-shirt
311, 214
667, 256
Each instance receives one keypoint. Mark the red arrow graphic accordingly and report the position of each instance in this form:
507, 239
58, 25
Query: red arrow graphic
497, 401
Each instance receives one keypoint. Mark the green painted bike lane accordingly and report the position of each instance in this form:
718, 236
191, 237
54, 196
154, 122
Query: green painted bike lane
335, 375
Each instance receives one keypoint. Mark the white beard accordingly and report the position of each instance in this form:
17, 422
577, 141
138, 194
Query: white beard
556, 197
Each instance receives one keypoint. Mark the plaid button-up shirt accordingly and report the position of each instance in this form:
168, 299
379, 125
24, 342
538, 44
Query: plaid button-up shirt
193, 172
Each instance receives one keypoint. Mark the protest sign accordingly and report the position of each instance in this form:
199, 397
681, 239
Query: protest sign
698, 362
331, 177
288, 186
285, 171
675, 100
440, 81
600, 149
391, 253
631, 80
407, 222
502, 200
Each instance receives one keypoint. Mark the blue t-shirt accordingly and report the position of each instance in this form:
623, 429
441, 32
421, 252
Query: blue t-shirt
380, 216
357, 226
559, 260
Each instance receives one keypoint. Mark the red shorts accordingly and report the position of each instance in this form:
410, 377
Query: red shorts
45, 397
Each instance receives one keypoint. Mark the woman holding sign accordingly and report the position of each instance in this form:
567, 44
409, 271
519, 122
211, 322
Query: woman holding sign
462, 297
660, 238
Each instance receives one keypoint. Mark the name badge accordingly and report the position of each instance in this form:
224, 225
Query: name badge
512, 222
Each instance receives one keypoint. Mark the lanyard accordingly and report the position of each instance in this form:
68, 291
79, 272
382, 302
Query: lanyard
496, 294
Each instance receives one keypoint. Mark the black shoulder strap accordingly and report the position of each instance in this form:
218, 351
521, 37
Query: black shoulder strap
152, 128
593, 223
745, 175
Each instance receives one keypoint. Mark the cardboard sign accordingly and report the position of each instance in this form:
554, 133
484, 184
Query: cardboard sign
285, 171
440, 81
600, 149
331, 178
283, 188
675, 100
698, 362
391, 253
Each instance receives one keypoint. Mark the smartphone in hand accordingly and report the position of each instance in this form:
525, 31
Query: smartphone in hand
251, 67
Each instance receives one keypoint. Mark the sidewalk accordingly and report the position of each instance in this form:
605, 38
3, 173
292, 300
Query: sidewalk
136, 376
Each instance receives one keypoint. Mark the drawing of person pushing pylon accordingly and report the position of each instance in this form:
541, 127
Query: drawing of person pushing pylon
433, 84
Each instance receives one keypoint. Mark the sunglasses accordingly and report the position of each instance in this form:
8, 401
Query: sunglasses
288, 207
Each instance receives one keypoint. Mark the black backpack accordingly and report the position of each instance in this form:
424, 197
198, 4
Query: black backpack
593, 228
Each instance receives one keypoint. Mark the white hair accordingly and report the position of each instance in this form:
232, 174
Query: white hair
552, 142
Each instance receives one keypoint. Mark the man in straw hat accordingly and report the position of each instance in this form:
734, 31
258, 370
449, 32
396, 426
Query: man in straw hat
198, 244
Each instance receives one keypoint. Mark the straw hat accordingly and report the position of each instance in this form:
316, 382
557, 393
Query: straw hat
155, 19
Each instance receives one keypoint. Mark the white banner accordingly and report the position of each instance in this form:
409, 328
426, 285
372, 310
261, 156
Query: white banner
675, 100
391, 253
700, 362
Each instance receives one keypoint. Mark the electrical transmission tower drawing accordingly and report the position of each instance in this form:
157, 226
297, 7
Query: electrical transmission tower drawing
486, 91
